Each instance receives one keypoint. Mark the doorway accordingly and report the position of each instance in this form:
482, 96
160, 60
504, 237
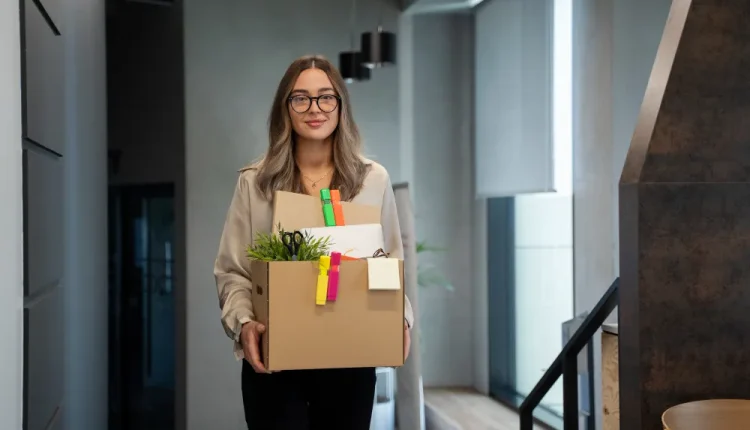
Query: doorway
142, 307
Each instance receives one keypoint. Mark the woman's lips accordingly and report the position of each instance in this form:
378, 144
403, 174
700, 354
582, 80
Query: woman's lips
315, 123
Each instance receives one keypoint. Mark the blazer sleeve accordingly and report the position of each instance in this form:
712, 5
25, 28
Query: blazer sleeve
392, 237
232, 268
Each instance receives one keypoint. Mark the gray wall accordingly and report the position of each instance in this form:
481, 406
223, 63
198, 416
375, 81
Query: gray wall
235, 55
615, 44
614, 53
85, 215
442, 89
11, 220
146, 125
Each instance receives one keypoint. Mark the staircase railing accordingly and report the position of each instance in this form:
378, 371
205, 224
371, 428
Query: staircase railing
566, 365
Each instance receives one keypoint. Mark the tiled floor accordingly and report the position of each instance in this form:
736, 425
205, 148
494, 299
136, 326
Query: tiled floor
466, 409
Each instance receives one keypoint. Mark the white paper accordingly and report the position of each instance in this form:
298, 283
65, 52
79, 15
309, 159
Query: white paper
383, 274
358, 241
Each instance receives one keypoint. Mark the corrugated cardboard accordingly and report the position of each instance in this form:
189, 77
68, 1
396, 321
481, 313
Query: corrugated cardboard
297, 211
362, 328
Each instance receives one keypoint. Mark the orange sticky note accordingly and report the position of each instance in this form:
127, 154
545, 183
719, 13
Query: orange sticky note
338, 210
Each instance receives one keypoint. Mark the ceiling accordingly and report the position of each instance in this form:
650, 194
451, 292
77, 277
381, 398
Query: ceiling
439, 6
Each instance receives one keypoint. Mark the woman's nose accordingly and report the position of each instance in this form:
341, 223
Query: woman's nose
314, 106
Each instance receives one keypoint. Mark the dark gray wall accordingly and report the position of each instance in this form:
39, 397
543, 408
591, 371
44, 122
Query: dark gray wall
145, 92
43, 143
146, 127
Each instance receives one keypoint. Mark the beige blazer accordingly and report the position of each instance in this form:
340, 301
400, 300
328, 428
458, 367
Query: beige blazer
249, 213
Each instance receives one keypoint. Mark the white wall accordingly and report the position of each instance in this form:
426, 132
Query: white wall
544, 233
593, 173
11, 220
86, 256
442, 88
513, 72
235, 55
592, 159
638, 27
615, 52
614, 49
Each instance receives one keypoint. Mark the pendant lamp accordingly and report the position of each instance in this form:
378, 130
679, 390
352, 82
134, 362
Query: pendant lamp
352, 70
350, 62
378, 48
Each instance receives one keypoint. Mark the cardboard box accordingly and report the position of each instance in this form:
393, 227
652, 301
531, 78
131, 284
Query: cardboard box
362, 328
297, 211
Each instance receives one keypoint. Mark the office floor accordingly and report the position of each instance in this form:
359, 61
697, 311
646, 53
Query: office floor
156, 411
466, 409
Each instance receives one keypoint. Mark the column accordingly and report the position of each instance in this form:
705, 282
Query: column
685, 220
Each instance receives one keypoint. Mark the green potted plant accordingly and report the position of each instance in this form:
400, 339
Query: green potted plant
271, 247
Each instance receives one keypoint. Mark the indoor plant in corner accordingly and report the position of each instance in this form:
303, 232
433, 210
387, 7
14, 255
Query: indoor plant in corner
427, 274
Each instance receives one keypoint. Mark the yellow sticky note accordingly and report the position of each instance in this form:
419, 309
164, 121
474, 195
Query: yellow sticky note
321, 290
383, 274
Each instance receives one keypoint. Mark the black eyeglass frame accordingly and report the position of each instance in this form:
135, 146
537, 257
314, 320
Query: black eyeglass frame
316, 99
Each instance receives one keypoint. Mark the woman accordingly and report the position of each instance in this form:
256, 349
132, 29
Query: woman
313, 144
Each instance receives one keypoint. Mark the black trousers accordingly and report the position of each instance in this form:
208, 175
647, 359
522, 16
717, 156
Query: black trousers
329, 399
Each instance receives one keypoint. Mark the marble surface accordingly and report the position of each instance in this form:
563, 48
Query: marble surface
610, 328
685, 219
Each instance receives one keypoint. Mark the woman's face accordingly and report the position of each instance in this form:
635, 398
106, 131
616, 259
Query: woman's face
314, 106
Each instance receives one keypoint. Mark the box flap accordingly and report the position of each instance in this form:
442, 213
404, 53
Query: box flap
295, 211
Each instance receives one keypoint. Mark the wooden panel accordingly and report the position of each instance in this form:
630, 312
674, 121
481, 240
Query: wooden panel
45, 359
610, 382
44, 81
44, 220
685, 219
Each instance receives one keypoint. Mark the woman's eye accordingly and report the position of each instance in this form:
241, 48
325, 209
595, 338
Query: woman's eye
327, 98
299, 99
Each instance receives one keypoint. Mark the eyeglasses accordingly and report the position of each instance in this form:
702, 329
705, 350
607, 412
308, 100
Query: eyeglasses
327, 103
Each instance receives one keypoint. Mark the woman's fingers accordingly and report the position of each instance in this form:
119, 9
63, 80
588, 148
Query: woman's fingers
251, 346
407, 343
255, 360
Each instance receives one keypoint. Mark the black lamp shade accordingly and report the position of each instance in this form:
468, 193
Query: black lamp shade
378, 49
352, 70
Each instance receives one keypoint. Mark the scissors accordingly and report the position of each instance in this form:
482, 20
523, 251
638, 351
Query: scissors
293, 241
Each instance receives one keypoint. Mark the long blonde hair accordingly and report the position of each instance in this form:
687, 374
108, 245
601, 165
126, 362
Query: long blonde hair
277, 170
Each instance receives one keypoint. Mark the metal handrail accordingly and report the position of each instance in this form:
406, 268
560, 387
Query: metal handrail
566, 365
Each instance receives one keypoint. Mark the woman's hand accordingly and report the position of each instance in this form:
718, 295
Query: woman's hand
250, 339
407, 341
